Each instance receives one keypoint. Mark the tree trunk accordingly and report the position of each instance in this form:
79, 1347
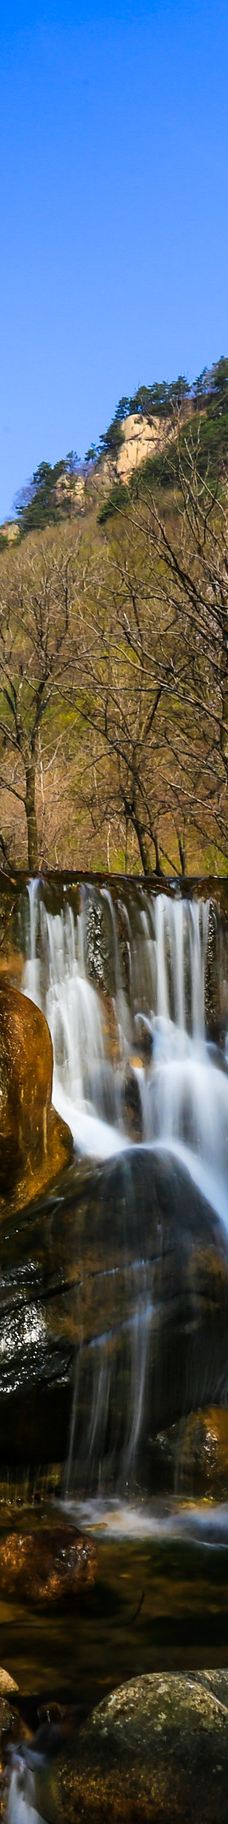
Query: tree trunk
182, 854
144, 851
144, 856
30, 813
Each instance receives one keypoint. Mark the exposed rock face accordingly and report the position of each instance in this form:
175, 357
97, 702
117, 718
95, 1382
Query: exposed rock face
153, 1752
10, 530
141, 438
35, 1144
47, 1567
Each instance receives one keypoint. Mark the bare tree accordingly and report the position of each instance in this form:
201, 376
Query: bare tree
114, 682
158, 668
190, 549
37, 595
124, 701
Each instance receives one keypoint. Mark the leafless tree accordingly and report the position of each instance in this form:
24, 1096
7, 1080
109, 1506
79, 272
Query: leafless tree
114, 681
158, 667
38, 587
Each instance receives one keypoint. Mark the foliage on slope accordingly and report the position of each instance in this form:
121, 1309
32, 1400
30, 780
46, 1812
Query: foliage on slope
201, 412
202, 408
113, 653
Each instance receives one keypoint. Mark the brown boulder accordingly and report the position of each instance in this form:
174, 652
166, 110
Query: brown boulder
202, 1456
34, 1142
191, 1458
46, 1567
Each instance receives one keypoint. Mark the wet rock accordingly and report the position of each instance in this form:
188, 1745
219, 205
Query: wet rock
34, 1143
191, 1458
99, 940
48, 1567
123, 932
202, 1454
131, 1105
76, 1270
155, 1751
110, 1029
144, 1037
161, 1459
214, 978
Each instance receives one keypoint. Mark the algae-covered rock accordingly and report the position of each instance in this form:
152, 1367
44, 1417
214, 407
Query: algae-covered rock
34, 1143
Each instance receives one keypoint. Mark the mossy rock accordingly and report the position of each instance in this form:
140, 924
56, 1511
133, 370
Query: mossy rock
154, 1752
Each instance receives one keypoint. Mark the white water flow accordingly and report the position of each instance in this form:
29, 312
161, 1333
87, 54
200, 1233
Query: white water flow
21, 1800
157, 1028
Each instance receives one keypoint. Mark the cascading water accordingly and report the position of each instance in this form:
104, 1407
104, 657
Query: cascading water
152, 1001
182, 1091
55, 977
186, 1101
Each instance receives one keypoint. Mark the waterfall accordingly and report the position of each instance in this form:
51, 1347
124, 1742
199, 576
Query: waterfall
125, 982
55, 977
186, 1099
180, 1080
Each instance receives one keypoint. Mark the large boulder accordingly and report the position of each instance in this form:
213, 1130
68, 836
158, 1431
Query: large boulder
191, 1458
155, 1751
34, 1143
202, 1454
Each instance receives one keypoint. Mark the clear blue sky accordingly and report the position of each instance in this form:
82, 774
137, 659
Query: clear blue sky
113, 212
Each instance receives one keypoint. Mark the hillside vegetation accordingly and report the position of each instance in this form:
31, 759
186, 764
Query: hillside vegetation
114, 645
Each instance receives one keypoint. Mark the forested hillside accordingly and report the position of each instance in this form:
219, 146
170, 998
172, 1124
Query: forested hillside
114, 645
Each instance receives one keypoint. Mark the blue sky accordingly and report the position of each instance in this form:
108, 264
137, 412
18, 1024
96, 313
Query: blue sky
113, 213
